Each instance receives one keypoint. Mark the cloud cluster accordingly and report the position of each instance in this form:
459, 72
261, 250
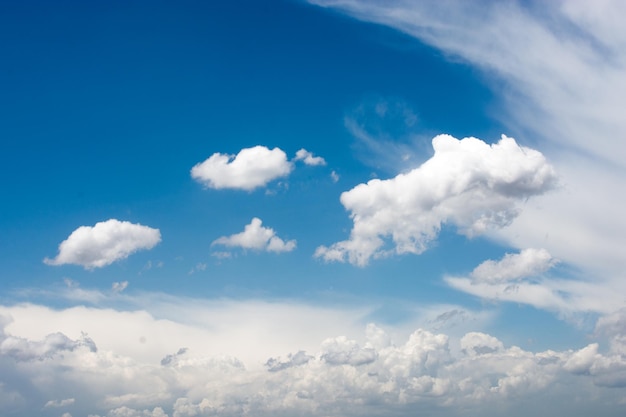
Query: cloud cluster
249, 169
343, 377
563, 65
466, 183
257, 237
106, 242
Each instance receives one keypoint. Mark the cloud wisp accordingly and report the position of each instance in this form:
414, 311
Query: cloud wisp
104, 243
467, 183
257, 237
251, 168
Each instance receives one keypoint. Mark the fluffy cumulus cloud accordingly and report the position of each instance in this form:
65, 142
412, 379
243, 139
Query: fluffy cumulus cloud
424, 373
106, 242
308, 158
467, 183
249, 169
257, 237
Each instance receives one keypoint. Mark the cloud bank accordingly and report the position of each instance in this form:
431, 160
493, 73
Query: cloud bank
467, 183
371, 374
249, 169
257, 237
104, 243
558, 70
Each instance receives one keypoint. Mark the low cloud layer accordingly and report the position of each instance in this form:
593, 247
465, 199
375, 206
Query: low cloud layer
251, 168
467, 183
106, 242
257, 237
425, 372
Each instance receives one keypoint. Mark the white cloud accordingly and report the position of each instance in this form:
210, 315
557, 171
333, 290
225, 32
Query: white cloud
308, 158
345, 375
59, 403
118, 287
520, 278
104, 243
334, 176
257, 237
249, 169
529, 262
563, 65
467, 183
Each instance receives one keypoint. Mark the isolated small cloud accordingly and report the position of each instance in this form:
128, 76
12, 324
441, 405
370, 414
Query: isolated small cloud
59, 403
467, 183
308, 158
249, 169
529, 262
118, 287
334, 176
257, 237
104, 243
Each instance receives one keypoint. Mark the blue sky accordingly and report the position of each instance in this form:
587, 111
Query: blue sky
337, 208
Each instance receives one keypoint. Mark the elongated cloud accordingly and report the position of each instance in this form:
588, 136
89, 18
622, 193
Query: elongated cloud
528, 263
257, 237
467, 183
521, 278
106, 242
249, 169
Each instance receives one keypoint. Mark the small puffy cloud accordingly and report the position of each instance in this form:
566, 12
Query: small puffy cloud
59, 403
334, 176
529, 262
308, 158
466, 183
257, 237
104, 243
249, 169
118, 287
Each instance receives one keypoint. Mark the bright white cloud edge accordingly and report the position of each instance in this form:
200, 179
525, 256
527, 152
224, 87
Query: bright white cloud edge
104, 243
